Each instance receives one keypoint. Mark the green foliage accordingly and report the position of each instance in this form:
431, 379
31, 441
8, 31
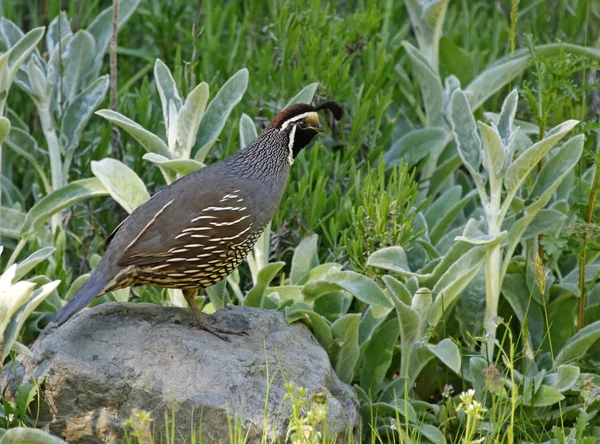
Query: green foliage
381, 216
18, 299
409, 236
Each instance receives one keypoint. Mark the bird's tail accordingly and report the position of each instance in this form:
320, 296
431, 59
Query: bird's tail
91, 288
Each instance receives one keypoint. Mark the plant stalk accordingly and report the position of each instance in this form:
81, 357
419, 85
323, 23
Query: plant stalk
49, 130
492, 295
115, 135
16, 251
493, 266
582, 262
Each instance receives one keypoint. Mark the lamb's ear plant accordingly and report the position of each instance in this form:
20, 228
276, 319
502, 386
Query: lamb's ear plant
191, 127
15, 48
18, 299
493, 148
424, 142
66, 88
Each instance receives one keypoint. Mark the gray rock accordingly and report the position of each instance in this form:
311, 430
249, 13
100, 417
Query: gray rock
116, 359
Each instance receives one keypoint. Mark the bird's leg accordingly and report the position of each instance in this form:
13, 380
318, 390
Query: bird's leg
202, 321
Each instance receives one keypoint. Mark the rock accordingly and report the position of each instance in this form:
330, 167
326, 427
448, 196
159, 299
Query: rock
118, 359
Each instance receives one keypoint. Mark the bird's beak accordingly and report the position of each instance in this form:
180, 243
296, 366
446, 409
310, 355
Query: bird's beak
319, 128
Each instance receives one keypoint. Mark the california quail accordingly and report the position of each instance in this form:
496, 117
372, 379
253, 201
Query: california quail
200, 228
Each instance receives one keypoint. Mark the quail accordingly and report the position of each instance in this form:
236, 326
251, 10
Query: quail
197, 230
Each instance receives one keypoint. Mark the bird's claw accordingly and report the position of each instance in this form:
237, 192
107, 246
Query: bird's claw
219, 332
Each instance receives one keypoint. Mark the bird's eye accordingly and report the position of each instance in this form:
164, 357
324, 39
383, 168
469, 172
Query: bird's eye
302, 124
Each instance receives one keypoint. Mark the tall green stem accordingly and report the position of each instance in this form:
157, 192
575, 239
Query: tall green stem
582, 263
492, 295
493, 265
48, 128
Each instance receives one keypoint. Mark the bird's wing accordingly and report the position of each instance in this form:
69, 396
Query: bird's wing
186, 223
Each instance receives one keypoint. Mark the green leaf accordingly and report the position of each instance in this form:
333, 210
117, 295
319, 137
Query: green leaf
473, 235
318, 325
394, 259
493, 150
502, 72
20, 316
546, 221
255, 297
218, 295
21, 50
393, 391
433, 434
414, 146
447, 352
81, 108
259, 257
188, 121
371, 319
522, 166
247, 131
441, 226
421, 353
218, 112
123, 184
385, 410
179, 166
20, 349
465, 132
12, 222
345, 334
507, 116
306, 95
168, 93
553, 173
12, 298
4, 128
32, 261
456, 60
22, 435
79, 52
477, 366
408, 319
530, 316
443, 172
52, 35
25, 395
332, 305
22, 143
544, 397
453, 281
101, 30
10, 33
579, 344
151, 142
39, 86
566, 377
449, 198
305, 259
493, 78
363, 288
62, 198
430, 84
319, 271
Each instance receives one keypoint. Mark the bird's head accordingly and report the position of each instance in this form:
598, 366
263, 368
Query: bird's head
300, 124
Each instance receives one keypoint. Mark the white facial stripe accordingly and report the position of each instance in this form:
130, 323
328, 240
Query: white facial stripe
291, 146
312, 114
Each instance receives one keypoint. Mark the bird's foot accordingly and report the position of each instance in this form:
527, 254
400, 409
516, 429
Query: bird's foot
219, 332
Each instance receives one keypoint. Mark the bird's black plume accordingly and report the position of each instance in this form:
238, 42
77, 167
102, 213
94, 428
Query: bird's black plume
336, 109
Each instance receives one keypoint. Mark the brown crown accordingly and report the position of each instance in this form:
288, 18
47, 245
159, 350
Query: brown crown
301, 108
